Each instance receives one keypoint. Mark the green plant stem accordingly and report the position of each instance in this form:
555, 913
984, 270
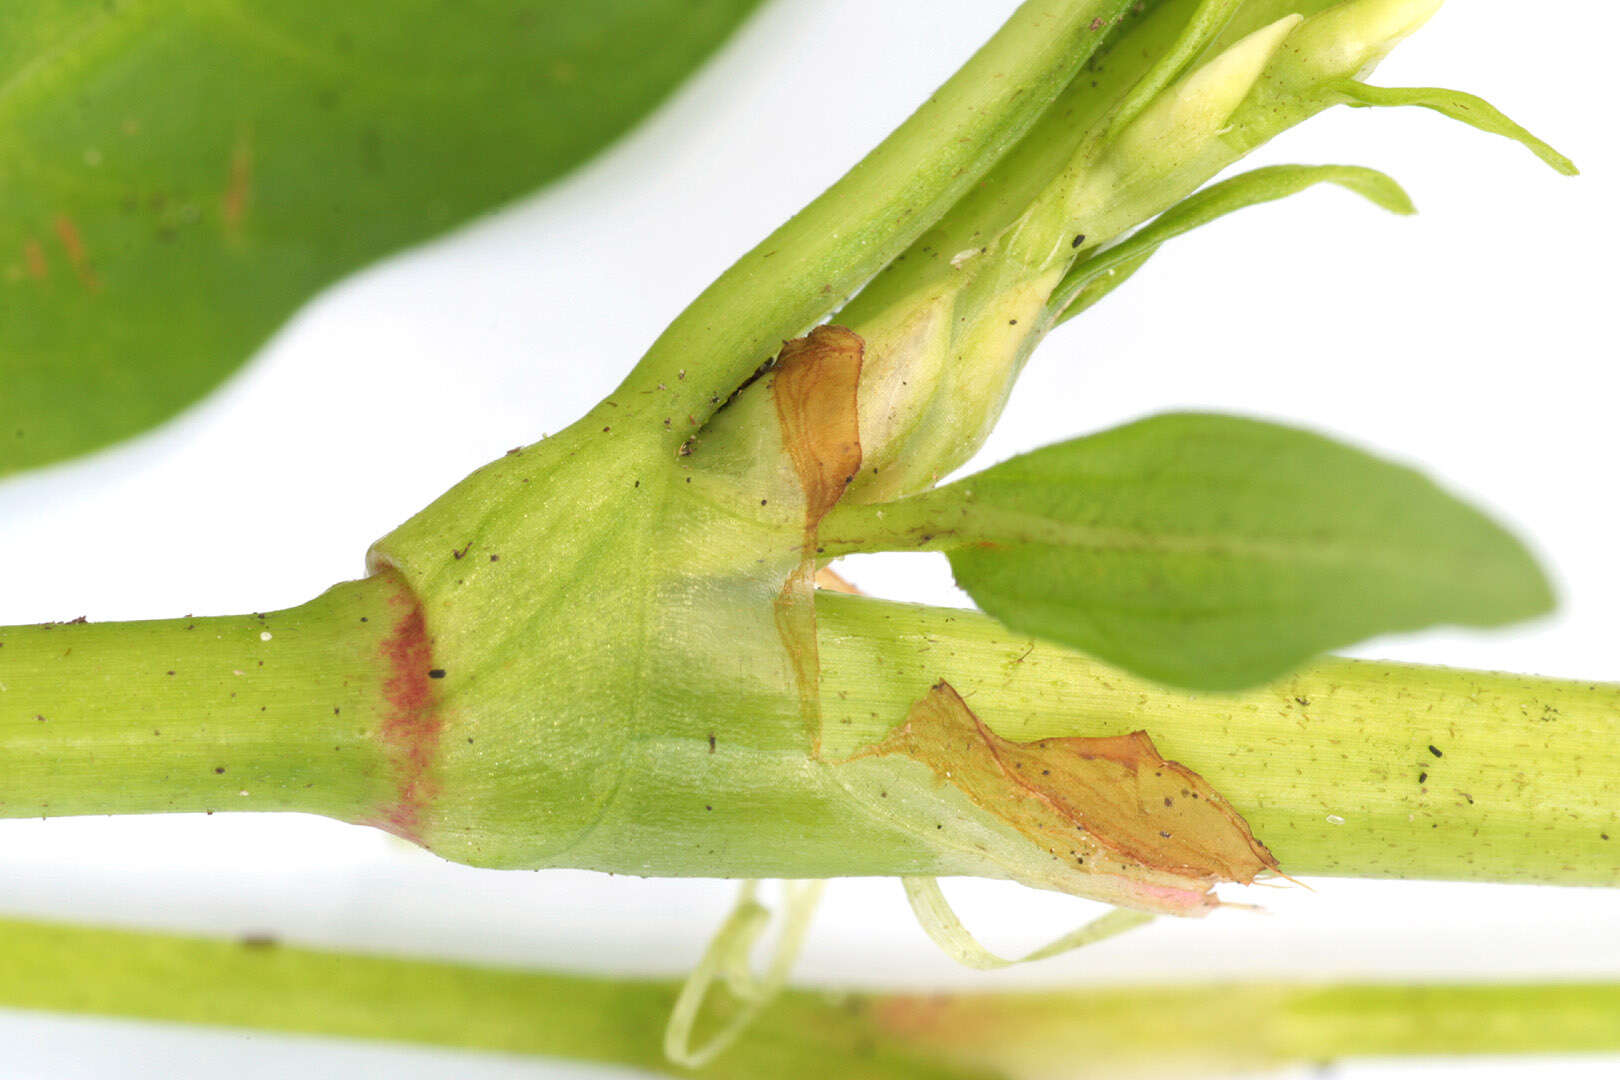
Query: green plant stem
809, 266
1112, 1032
249, 712
1344, 768
1332, 766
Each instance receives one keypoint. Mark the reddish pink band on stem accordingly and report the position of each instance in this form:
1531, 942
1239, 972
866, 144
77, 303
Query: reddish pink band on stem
411, 724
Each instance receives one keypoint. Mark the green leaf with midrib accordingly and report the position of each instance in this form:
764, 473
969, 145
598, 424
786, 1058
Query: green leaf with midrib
176, 176
1217, 552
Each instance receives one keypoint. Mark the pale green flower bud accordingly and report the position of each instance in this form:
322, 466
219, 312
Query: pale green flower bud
1173, 145
1178, 124
1350, 39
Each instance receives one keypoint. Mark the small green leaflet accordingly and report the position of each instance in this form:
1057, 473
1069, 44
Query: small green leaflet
175, 179
1466, 108
1093, 278
1212, 552
1089, 280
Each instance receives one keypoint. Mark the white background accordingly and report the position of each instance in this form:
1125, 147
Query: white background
1476, 339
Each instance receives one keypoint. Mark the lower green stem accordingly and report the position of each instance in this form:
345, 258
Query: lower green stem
1116, 1032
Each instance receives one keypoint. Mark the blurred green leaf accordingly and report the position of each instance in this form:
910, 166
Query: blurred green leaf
176, 178
1217, 552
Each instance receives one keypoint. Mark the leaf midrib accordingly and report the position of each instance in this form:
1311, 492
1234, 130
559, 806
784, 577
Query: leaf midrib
1005, 526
